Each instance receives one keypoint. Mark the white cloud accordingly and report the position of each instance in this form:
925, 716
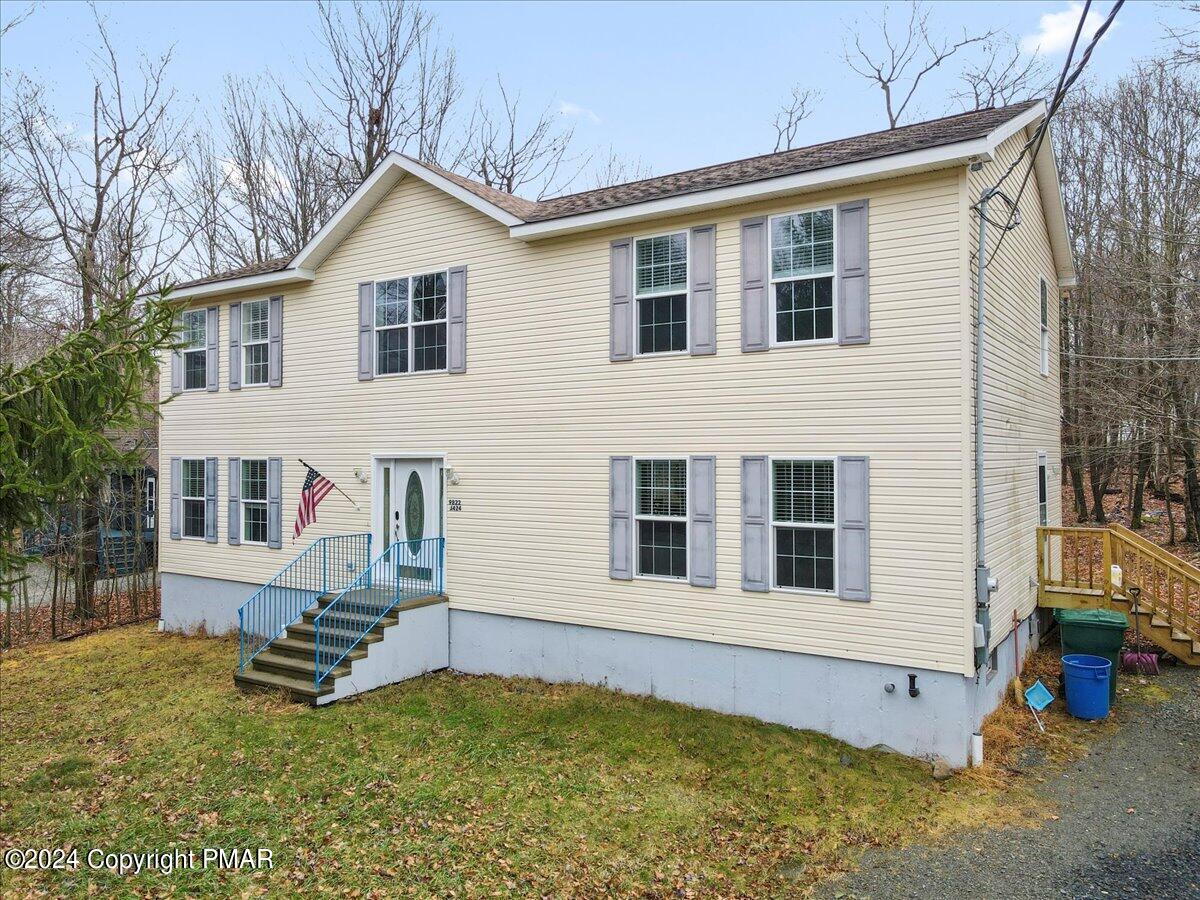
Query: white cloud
567, 108
1055, 30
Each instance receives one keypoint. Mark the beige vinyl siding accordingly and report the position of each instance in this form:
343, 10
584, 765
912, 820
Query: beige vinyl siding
1022, 408
531, 425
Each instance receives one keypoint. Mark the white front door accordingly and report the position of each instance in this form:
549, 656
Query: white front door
408, 513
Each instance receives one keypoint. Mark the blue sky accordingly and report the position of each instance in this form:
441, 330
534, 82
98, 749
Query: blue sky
674, 84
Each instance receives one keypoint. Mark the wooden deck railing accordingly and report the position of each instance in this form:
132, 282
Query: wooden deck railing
1074, 570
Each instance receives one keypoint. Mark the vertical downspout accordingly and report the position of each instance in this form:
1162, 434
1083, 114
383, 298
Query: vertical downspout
984, 583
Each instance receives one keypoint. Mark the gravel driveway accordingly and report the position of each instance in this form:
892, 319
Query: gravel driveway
1096, 849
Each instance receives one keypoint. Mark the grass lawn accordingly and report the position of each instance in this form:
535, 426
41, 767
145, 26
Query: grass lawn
447, 785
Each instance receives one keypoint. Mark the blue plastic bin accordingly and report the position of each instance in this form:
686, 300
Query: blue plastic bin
1085, 680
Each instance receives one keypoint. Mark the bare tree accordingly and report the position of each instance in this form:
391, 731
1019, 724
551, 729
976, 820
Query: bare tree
903, 60
107, 190
1002, 75
1187, 37
617, 169
16, 20
791, 114
386, 84
508, 151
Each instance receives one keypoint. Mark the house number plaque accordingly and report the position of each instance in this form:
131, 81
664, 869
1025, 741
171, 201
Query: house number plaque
455, 506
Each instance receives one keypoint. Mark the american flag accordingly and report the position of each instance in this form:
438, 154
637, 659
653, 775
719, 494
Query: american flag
316, 486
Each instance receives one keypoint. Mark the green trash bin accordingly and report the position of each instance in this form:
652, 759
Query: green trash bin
1098, 632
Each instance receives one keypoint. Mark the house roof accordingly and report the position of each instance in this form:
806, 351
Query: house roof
278, 264
921, 146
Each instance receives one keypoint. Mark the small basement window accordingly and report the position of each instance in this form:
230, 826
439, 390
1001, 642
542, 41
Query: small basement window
661, 512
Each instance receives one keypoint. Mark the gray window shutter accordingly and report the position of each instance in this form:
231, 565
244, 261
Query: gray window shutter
235, 498
621, 300
756, 537
210, 499
366, 327
620, 537
210, 357
854, 319
235, 346
275, 502
176, 502
275, 342
854, 528
703, 272
177, 361
756, 283
702, 528
456, 320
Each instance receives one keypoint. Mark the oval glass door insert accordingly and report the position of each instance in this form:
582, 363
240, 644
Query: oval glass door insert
414, 512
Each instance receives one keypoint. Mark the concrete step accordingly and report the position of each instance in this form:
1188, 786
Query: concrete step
298, 687
282, 664
303, 649
305, 631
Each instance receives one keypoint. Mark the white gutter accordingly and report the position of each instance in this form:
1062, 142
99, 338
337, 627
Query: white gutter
245, 283
884, 167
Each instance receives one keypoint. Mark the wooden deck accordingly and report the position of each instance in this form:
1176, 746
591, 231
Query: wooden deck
1075, 571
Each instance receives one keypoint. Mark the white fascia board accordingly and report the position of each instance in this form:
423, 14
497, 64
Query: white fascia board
369, 194
930, 159
245, 284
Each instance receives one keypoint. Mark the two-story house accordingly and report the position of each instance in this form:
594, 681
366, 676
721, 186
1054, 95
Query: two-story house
707, 436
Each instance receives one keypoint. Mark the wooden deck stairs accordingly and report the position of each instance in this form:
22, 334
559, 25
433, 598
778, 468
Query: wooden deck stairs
1075, 572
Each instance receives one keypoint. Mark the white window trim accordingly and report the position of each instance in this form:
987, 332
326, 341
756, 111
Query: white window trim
772, 280
1042, 472
150, 515
408, 326
831, 526
686, 519
242, 501
203, 349
687, 291
1044, 337
246, 382
183, 498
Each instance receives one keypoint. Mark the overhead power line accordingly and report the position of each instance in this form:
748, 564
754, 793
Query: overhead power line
1065, 83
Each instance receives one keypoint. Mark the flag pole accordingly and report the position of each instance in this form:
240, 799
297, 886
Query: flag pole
335, 487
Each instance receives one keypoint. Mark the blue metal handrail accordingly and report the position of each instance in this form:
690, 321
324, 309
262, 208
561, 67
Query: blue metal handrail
326, 566
406, 570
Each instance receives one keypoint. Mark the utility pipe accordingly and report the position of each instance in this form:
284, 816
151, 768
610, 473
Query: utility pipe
984, 584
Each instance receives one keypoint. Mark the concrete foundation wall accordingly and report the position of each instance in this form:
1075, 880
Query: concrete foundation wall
190, 602
847, 699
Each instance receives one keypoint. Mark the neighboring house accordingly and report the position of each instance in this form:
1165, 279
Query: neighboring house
706, 436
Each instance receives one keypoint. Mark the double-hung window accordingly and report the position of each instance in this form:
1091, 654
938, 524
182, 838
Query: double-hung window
194, 337
410, 324
254, 501
1043, 507
254, 342
1045, 348
803, 523
192, 493
660, 287
661, 511
802, 268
